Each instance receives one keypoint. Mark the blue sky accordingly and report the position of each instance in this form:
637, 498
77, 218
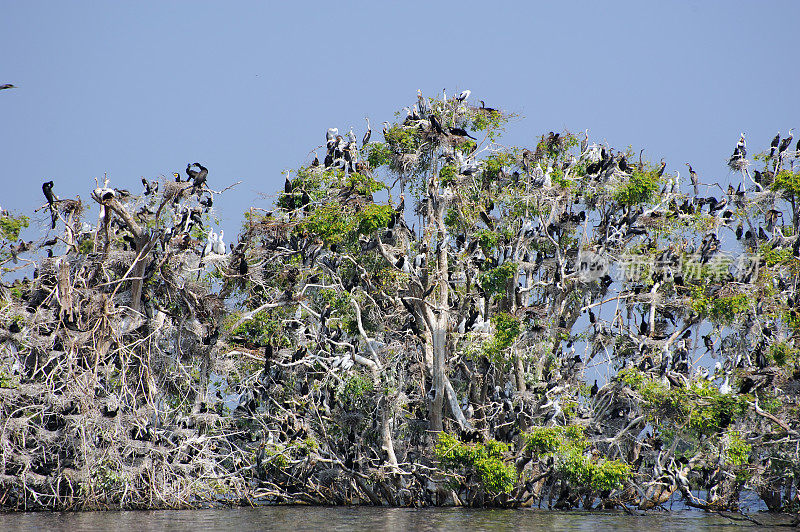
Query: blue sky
137, 89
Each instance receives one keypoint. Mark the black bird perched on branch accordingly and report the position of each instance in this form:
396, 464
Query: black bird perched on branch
739, 152
785, 143
623, 165
695, 182
199, 178
774, 144
485, 109
47, 188
191, 172
661, 168
150, 187
434, 122
460, 132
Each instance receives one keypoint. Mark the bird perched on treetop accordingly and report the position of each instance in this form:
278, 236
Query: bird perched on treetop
47, 188
785, 143
199, 177
774, 144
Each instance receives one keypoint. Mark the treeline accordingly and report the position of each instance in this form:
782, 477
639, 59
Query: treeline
412, 324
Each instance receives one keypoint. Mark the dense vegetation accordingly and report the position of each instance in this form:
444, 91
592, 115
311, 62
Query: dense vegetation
355, 347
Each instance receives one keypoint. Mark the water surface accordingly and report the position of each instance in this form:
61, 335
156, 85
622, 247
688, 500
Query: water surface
330, 519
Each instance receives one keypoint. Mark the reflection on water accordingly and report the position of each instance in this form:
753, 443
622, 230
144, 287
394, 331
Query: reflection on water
369, 518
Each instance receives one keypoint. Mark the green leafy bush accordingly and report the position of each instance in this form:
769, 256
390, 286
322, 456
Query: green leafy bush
11, 226
641, 187
485, 460
494, 281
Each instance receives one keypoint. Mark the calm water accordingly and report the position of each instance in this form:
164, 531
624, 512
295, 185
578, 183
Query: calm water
370, 519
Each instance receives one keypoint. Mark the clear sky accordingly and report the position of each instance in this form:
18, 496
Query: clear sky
247, 88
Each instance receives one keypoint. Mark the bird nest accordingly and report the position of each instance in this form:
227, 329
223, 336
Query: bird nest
175, 188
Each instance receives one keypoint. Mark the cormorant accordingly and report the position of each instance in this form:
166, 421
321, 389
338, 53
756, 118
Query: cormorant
150, 187
207, 201
7, 86
487, 109
785, 143
199, 178
191, 172
774, 144
47, 188
623, 165
436, 125
460, 132
593, 391
661, 168
695, 182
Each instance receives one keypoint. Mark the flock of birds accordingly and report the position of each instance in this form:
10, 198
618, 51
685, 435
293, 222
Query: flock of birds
185, 216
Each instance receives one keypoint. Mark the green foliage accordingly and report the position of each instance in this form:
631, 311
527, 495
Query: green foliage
701, 407
493, 165
8, 381
737, 451
774, 257
11, 226
373, 217
549, 440
722, 310
354, 392
787, 182
364, 184
506, 330
640, 188
378, 154
783, 354
403, 139
487, 239
494, 281
107, 477
490, 121
447, 175
568, 445
557, 177
86, 246
331, 222
486, 460
259, 330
